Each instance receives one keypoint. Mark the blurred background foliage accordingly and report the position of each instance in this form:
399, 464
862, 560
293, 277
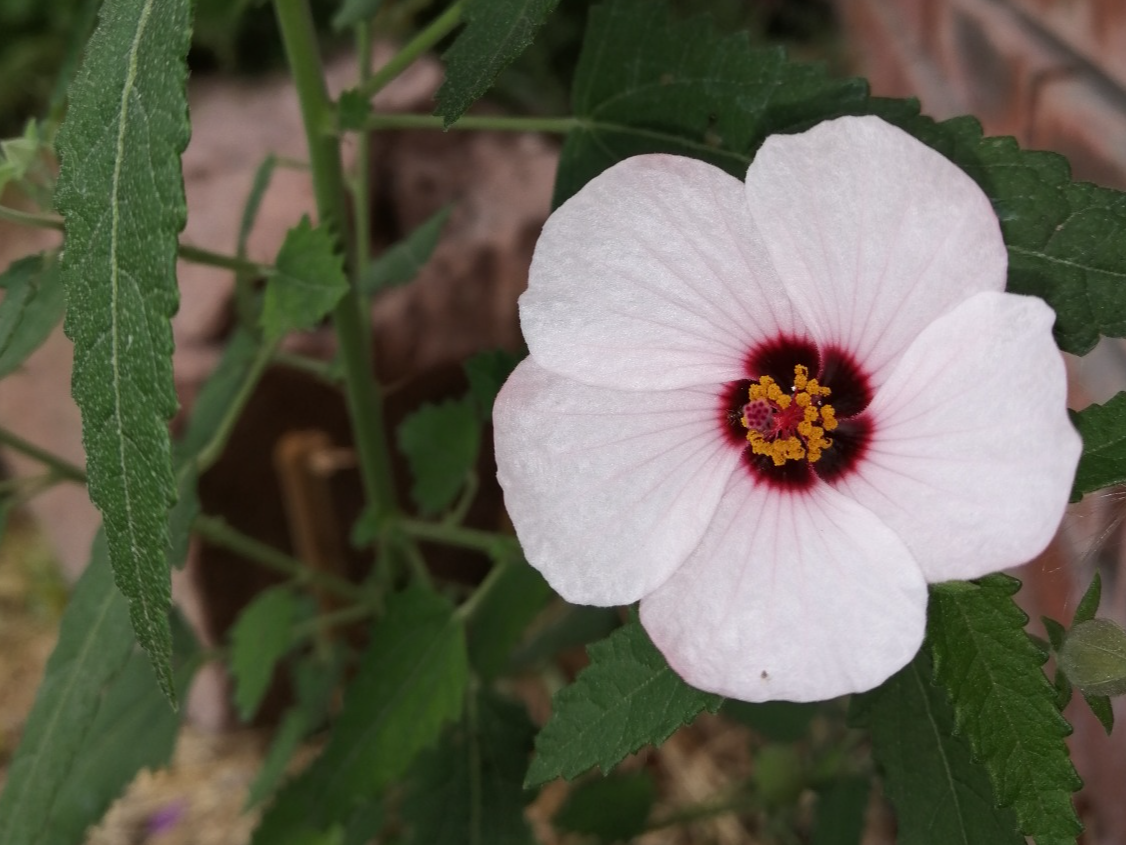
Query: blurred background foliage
41, 40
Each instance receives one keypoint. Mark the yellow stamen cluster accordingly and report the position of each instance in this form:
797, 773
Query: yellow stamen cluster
817, 418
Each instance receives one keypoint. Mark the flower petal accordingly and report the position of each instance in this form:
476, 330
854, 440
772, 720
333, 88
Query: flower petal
873, 233
652, 276
972, 454
796, 597
608, 490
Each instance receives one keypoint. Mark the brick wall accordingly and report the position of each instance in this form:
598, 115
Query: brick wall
1050, 72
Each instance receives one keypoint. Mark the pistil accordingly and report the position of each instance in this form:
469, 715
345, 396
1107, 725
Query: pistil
789, 426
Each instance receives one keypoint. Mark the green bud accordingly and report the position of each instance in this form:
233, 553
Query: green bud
1094, 657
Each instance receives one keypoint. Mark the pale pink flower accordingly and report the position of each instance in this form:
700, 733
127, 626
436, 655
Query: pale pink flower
659, 296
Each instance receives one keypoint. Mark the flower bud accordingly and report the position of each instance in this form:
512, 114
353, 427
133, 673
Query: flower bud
1093, 657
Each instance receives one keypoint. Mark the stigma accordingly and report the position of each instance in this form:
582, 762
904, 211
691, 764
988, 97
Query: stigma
788, 425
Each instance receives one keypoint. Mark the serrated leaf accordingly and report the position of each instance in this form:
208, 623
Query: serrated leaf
496, 32
135, 729
939, 792
469, 789
410, 684
34, 302
315, 681
95, 642
353, 12
1004, 705
487, 372
1103, 709
261, 636
403, 261
440, 443
501, 619
838, 818
646, 84
1089, 605
121, 194
308, 281
1103, 462
626, 698
613, 808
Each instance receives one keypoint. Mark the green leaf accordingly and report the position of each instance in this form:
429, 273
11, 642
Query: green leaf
353, 12
613, 808
577, 626
1004, 705
778, 721
95, 642
1089, 605
121, 193
838, 818
469, 789
262, 635
487, 373
403, 261
410, 684
135, 729
315, 681
1103, 462
626, 698
496, 32
1103, 709
500, 621
34, 302
440, 443
308, 282
939, 793
183, 514
352, 112
258, 186
646, 84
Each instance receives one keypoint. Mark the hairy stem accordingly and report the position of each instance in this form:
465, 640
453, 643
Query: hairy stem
365, 404
219, 533
60, 467
438, 29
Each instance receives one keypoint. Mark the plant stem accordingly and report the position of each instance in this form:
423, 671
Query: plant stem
497, 123
361, 186
324, 371
496, 546
31, 220
344, 616
219, 533
195, 254
198, 255
365, 405
61, 467
211, 452
438, 29
471, 605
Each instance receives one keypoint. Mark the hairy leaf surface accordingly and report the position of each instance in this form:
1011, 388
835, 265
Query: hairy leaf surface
1103, 463
410, 685
1003, 704
626, 698
939, 792
496, 32
470, 788
122, 196
94, 645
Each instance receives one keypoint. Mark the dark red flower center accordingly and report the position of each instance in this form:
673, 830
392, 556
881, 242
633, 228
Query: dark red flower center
799, 417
